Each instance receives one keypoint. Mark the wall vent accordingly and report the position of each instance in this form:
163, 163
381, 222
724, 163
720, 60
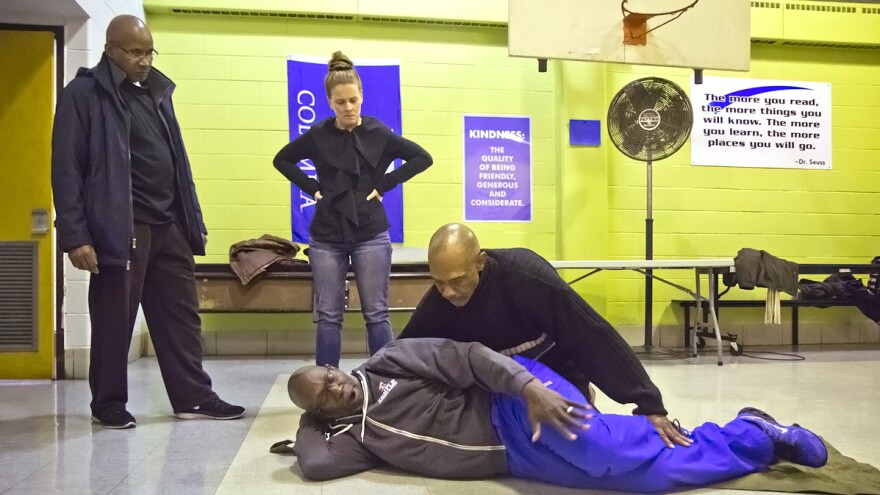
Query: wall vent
839, 9
339, 17
759, 4
263, 13
434, 22
819, 44
18, 296
766, 5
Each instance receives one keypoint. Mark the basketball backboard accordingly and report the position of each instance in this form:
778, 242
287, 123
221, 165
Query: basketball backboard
701, 34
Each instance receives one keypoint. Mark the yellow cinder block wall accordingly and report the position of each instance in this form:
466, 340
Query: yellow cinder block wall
807, 216
231, 98
589, 203
232, 102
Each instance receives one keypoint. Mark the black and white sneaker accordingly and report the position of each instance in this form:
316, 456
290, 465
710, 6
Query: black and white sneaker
213, 409
119, 419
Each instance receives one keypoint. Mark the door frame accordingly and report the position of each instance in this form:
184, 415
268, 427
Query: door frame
58, 33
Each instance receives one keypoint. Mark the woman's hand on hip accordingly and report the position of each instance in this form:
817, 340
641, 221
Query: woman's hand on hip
373, 195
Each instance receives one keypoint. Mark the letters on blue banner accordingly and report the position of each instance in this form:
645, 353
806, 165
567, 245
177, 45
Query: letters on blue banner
307, 104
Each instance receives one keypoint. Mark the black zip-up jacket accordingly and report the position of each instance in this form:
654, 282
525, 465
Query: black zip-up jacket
349, 165
521, 306
427, 409
91, 165
762, 269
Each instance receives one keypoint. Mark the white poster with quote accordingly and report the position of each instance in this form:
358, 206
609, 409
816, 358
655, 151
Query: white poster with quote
761, 123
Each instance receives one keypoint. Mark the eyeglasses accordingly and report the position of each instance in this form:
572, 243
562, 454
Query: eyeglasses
139, 54
324, 396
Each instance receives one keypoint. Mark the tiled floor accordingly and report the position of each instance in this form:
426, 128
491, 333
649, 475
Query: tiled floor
47, 444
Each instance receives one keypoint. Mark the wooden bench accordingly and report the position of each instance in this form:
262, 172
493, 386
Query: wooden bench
288, 289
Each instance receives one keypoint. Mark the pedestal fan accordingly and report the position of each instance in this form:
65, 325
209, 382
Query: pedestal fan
649, 119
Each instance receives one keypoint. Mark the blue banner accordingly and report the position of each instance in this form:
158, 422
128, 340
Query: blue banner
497, 169
307, 104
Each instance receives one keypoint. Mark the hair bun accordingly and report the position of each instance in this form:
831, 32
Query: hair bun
340, 62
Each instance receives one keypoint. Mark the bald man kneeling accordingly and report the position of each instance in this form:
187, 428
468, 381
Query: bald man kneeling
514, 302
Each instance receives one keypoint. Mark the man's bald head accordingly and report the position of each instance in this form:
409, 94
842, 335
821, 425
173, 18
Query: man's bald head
455, 261
122, 27
129, 46
299, 387
456, 238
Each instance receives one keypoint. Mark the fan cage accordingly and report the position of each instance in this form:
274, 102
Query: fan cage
650, 119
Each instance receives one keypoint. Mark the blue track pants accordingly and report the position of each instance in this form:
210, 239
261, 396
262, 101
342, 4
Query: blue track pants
624, 452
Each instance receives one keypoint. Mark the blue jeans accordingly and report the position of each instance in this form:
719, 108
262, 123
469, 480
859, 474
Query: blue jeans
371, 262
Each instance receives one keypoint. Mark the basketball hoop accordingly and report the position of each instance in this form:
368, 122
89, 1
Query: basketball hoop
635, 24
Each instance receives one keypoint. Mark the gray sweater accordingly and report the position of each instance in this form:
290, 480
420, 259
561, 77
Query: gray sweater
427, 410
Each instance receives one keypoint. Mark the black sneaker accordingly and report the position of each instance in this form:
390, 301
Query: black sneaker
119, 419
213, 409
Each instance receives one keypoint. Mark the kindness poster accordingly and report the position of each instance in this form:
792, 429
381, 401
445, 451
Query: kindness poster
497, 169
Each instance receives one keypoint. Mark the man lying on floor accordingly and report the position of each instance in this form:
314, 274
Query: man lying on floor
460, 410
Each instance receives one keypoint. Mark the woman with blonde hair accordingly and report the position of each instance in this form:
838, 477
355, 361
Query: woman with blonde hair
351, 153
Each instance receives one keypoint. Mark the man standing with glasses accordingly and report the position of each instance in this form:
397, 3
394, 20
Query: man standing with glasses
127, 212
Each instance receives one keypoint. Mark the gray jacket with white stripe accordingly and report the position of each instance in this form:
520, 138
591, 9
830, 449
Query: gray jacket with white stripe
427, 410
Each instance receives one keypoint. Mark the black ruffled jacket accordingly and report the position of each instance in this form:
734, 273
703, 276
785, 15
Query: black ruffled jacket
349, 165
